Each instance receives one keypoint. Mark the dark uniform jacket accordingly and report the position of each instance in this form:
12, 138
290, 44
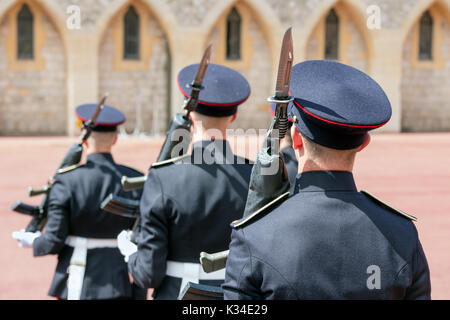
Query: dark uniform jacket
327, 241
74, 209
291, 163
187, 208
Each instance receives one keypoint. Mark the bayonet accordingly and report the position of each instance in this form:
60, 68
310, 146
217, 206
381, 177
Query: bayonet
196, 85
282, 98
89, 125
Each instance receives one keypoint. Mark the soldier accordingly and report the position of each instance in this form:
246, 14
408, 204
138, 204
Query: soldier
188, 203
83, 236
327, 240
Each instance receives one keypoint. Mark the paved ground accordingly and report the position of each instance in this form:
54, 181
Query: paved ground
411, 171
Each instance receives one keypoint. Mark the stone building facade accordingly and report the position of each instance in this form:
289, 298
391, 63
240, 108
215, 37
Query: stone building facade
134, 49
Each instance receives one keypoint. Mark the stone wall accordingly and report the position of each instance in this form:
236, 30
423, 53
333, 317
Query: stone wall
37, 102
34, 102
254, 113
353, 47
139, 91
426, 90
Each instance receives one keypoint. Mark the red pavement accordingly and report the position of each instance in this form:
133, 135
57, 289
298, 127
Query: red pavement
410, 171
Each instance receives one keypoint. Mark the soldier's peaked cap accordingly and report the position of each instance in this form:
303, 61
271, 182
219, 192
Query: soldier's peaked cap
335, 105
224, 89
108, 119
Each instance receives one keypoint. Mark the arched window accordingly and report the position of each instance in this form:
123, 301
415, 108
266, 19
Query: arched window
131, 35
234, 35
25, 34
332, 36
425, 36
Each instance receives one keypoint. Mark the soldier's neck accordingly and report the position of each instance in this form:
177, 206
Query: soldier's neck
305, 165
207, 135
98, 150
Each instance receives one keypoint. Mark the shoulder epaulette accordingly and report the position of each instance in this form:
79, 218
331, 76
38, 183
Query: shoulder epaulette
69, 168
388, 206
169, 161
244, 221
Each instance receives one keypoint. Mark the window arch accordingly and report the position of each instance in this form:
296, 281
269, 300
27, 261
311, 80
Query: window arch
332, 36
426, 36
25, 34
233, 37
131, 35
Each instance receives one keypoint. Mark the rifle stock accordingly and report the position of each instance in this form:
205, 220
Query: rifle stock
73, 156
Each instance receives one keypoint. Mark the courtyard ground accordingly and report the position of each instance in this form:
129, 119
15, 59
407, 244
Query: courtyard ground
410, 171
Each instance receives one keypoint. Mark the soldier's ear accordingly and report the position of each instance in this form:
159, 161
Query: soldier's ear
297, 141
233, 117
365, 143
116, 137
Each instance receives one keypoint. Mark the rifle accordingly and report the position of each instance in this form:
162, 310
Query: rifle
181, 121
72, 158
265, 188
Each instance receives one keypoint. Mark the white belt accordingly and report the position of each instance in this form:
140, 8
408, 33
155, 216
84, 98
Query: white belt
191, 272
78, 261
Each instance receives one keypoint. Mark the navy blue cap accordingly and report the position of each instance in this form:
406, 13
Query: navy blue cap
108, 119
224, 89
335, 105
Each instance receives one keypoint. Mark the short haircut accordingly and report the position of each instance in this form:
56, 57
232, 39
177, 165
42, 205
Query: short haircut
319, 152
101, 139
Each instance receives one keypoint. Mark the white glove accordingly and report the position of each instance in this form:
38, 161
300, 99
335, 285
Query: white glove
126, 247
25, 239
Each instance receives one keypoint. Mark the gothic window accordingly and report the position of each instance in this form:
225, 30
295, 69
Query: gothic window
332, 36
425, 36
233, 35
25, 34
131, 35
